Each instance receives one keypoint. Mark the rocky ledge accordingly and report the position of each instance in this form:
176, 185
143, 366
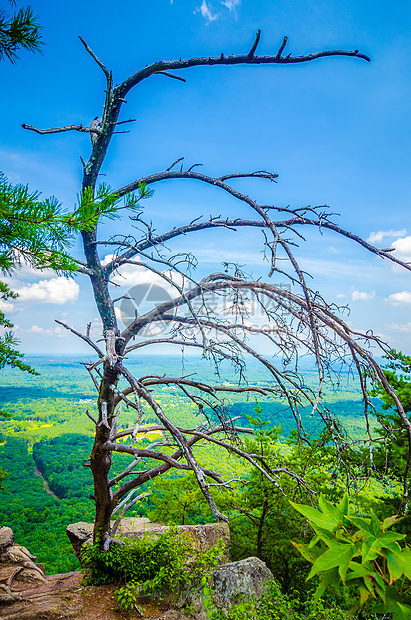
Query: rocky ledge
26, 593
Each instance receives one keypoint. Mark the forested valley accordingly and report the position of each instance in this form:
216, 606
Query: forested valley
46, 439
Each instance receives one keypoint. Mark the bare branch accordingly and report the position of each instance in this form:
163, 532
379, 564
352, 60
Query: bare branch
130, 120
298, 220
81, 128
206, 61
192, 463
91, 418
83, 337
174, 163
127, 471
126, 507
106, 72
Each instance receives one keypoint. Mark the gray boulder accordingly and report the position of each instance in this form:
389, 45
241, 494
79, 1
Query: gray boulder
230, 581
6, 539
79, 533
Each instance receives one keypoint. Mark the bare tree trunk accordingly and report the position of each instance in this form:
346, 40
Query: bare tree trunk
101, 455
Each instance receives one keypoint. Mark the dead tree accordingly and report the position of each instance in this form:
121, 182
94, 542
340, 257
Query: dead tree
298, 320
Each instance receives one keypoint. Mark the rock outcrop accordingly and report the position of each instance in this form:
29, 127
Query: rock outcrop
82, 533
228, 583
27, 594
203, 536
18, 570
244, 578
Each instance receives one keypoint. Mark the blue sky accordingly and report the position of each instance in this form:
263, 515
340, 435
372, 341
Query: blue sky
337, 131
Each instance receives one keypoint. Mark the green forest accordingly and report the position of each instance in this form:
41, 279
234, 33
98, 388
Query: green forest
47, 439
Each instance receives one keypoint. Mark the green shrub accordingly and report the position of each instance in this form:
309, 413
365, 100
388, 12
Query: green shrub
154, 563
149, 565
359, 552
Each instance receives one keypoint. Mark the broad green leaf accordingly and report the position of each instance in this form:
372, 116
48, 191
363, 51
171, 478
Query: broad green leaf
327, 579
369, 583
314, 541
393, 605
406, 554
326, 536
364, 595
389, 521
401, 612
370, 550
362, 523
329, 510
396, 565
375, 546
339, 555
327, 522
375, 524
389, 537
343, 505
309, 553
360, 570
381, 589
345, 559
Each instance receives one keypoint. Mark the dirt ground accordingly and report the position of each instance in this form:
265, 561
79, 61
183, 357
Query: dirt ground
64, 597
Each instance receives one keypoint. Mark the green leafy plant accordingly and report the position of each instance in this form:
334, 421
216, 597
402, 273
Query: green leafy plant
154, 563
149, 566
206, 563
360, 552
273, 605
261, 520
126, 596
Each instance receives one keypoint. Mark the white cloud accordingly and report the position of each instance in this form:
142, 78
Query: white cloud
400, 328
377, 237
107, 259
362, 296
403, 249
206, 12
54, 291
132, 275
36, 329
231, 4
340, 296
57, 331
6, 306
118, 313
404, 297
